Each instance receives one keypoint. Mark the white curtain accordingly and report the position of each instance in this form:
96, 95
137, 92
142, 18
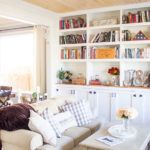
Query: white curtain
40, 33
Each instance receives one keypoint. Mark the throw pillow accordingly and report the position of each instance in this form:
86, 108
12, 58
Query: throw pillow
66, 120
78, 110
41, 126
15, 117
52, 121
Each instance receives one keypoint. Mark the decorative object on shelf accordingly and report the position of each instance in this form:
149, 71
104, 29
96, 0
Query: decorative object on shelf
128, 78
104, 53
60, 75
95, 81
80, 80
140, 36
125, 114
147, 79
114, 72
136, 78
67, 77
102, 22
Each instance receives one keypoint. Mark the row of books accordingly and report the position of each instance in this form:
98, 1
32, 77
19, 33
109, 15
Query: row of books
137, 52
72, 23
104, 53
140, 16
74, 53
73, 38
110, 36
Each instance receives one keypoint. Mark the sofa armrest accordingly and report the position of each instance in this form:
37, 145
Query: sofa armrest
22, 139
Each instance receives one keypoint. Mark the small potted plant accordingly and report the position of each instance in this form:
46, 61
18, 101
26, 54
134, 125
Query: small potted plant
61, 75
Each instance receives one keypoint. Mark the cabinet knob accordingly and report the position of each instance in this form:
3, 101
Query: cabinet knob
90, 92
94, 92
134, 95
140, 95
57, 89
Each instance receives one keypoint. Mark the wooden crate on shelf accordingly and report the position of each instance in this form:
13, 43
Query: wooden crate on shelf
80, 81
105, 53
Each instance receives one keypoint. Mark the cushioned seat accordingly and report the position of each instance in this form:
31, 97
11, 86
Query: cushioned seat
64, 143
93, 126
78, 134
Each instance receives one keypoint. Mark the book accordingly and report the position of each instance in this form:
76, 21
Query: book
109, 140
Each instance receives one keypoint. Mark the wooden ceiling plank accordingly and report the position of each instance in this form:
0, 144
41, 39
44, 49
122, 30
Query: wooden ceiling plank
61, 6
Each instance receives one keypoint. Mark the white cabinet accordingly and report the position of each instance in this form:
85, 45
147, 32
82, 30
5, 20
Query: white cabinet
119, 100
138, 102
146, 109
104, 103
100, 103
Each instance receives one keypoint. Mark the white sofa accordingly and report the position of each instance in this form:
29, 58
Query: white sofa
29, 140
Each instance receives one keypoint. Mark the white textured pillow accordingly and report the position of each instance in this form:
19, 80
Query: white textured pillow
78, 110
48, 116
41, 126
66, 120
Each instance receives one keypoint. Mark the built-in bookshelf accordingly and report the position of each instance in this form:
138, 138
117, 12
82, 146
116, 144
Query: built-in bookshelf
91, 43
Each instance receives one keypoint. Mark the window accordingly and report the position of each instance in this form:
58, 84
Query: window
16, 60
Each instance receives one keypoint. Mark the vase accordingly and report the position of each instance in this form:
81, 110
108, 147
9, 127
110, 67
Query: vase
115, 80
125, 124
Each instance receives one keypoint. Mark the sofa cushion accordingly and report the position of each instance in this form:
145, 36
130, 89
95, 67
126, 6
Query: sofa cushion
48, 116
41, 126
64, 143
79, 112
66, 120
78, 134
93, 126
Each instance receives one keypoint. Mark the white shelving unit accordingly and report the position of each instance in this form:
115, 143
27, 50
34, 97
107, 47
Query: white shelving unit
92, 67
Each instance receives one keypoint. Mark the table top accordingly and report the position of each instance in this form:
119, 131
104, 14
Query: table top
138, 142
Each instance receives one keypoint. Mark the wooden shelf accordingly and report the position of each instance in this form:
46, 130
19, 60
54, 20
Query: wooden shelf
73, 45
104, 27
104, 60
104, 43
73, 60
136, 24
72, 30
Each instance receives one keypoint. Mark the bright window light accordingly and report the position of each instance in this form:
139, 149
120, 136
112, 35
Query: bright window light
16, 60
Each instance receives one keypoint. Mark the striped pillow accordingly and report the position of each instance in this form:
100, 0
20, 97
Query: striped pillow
52, 121
79, 112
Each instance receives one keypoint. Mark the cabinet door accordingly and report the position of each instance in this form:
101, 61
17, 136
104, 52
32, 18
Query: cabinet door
138, 101
119, 100
103, 105
100, 104
146, 109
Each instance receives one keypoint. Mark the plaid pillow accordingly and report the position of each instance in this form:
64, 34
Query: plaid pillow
52, 121
79, 112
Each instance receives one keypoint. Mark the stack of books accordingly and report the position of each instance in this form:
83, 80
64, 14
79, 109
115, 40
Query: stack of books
72, 23
110, 36
73, 39
137, 52
74, 53
140, 16
104, 53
